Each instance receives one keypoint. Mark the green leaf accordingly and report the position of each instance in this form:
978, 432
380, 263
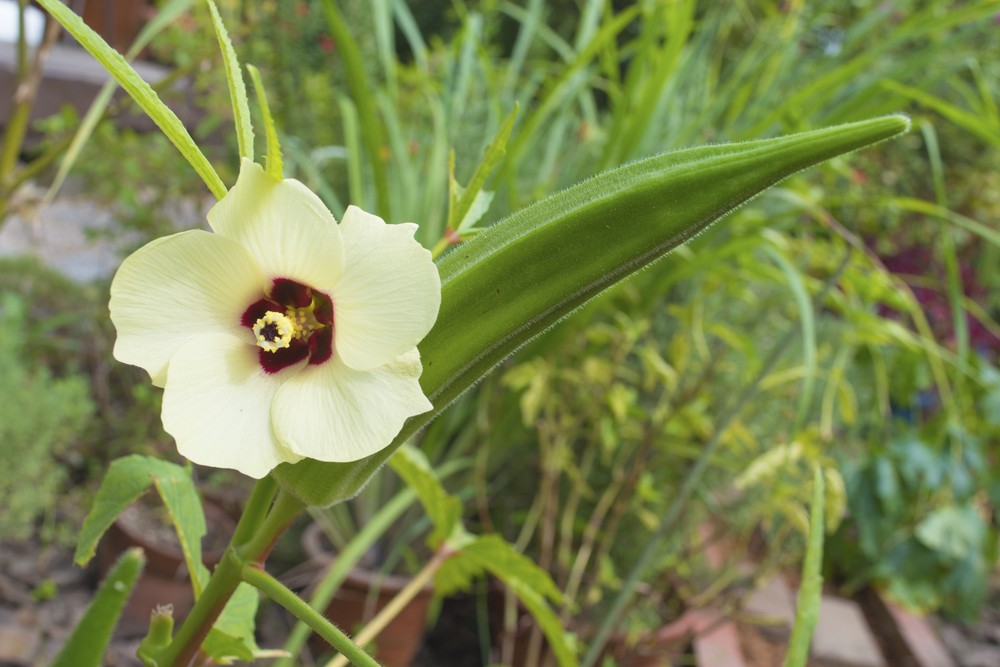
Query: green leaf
443, 509
232, 636
274, 165
163, 18
180, 497
953, 531
528, 271
126, 480
86, 645
141, 92
811, 589
237, 87
469, 204
530, 583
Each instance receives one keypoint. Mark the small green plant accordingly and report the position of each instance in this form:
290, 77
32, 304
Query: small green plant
918, 524
38, 426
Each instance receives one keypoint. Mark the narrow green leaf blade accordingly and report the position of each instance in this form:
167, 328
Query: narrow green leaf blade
811, 589
470, 195
89, 640
141, 92
525, 273
237, 87
274, 164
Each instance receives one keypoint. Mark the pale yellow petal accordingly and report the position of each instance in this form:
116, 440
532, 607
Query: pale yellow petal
217, 403
389, 295
178, 287
284, 225
332, 412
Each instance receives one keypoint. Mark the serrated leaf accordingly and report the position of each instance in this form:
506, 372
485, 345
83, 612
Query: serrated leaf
530, 583
139, 90
165, 15
443, 509
237, 87
273, 162
127, 479
525, 273
183, 504
89, 639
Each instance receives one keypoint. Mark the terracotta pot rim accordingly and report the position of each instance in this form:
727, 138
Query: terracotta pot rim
209, 557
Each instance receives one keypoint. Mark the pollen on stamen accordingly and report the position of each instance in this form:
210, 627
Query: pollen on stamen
274, 331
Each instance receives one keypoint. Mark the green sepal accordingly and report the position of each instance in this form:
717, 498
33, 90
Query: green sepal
89, 640
525, 273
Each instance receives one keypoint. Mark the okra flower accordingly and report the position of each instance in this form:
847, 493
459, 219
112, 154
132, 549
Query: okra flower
283, 335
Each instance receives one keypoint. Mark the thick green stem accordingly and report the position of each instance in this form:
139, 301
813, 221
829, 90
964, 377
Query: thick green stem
255, 511
260, 535
213, 600
275, 590
286, 507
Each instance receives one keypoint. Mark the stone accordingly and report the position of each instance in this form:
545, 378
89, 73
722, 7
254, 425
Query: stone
18, 644
842, 637
773, 606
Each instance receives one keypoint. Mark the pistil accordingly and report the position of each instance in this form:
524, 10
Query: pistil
274, 331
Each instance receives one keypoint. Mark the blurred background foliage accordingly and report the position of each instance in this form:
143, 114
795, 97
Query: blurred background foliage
883, 266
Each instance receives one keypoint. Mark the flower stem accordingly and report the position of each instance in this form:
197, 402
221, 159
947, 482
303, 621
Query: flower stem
284, 596
213, 600
253, 539
396, 605
286, 507
255, 511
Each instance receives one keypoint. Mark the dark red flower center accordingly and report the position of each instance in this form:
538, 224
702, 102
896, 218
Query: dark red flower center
310, 311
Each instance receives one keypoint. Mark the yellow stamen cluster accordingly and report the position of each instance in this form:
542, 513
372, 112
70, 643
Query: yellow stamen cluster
274, 331
304, 320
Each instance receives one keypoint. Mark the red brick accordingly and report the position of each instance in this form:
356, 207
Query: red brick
921, 639
716, 641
